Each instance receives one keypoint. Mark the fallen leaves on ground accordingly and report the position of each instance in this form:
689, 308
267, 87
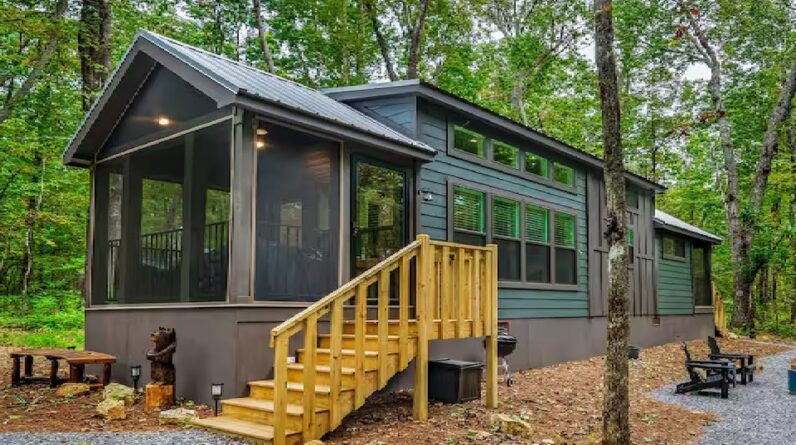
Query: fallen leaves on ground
562, 403
37, 408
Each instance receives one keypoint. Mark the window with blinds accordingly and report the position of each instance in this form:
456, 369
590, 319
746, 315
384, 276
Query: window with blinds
506, 217
468, 210
536, 244
537, 224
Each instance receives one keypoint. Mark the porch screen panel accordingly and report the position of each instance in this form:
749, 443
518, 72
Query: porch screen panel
297, 215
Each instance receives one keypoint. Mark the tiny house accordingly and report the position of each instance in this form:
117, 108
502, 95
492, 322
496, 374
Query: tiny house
226, 201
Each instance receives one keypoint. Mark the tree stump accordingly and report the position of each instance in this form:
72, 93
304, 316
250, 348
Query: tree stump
159, 396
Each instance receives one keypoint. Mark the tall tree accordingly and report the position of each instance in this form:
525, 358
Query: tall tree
94, 46
14, 95
384, 46
740, 218
415, 36
616, 426
262, 36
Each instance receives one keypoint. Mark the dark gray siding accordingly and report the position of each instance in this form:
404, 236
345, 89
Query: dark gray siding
435, 177
642, 270
675, 292
399, 113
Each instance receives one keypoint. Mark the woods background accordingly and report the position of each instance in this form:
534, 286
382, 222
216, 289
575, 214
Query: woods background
531, 60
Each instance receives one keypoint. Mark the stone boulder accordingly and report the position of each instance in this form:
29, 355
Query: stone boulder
314, 442
512, 425
116, 391
177, 416
112, 409
72, 389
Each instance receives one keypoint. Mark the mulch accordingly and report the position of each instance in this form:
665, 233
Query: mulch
562, 403
37, 408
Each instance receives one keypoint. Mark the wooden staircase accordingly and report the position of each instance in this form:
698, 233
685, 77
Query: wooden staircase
442, 291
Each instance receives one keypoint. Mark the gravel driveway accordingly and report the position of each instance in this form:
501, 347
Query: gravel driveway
188, 437
760, 413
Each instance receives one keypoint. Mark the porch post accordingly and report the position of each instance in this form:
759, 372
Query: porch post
97, 250
491, 328
193, 210
131, 230
425, 264
242, 230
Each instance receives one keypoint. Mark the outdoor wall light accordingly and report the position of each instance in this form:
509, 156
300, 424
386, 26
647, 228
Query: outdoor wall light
427, 195
163, 121
259, 143
135, 374
216, 390
262, 132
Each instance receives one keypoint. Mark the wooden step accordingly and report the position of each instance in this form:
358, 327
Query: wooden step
264, 389
262, 411
323, 357
371, 342
295, 373
252, 431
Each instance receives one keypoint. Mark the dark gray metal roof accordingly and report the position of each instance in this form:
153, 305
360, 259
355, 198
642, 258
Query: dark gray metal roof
246, 80
666, 221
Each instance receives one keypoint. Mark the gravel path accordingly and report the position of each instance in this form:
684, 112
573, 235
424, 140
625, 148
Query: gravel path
188, 437
760, 413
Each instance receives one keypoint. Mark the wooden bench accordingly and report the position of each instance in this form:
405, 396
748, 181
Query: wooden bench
77, 361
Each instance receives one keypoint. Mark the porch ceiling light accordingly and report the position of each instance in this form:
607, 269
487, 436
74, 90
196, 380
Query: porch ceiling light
262, 132
260, 143
163, 121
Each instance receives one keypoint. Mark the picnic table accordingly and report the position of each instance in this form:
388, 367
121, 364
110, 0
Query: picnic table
77, 361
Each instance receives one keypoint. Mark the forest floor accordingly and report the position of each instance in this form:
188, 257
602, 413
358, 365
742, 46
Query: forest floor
562, 403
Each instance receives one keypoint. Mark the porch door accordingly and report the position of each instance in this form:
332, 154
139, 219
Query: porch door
379, 213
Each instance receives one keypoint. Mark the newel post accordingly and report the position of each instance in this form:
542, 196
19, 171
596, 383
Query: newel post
491, 328
425, 262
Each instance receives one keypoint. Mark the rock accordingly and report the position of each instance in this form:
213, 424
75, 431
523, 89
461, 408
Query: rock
512, 425
177, 416
314, 442
116, 391
112, 409
548, 442
482, 436
73, 389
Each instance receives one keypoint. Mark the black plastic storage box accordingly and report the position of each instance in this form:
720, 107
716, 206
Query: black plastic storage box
454, 381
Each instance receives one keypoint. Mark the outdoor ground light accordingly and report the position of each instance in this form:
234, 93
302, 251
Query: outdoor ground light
216, 390
135, 374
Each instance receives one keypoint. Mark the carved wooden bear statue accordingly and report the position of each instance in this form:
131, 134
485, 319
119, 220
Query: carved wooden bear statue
165, 340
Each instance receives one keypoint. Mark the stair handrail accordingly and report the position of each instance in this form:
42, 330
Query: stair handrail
293, 324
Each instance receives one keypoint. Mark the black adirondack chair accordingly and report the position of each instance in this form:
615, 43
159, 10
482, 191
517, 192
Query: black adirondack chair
718, 374
745, 363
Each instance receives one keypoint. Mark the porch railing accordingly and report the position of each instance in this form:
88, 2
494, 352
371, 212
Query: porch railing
455, 296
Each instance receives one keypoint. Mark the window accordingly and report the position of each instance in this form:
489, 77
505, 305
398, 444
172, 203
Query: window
700, 272
673, 248
565, 256
631, 250
631, 198
506, 154
506, 231
537, 247
535, 164
469, 216
563, 174
469, 141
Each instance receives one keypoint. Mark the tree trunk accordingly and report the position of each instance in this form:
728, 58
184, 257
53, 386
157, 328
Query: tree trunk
94, 46
792, 145
383, 46
414, 41
258, 15
35, 72
31, 218
616, 425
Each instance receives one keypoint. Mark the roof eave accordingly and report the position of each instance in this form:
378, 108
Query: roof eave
687, 233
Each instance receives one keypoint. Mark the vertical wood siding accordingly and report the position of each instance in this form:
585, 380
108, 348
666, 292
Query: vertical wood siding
642, 271
675, 292
434, 177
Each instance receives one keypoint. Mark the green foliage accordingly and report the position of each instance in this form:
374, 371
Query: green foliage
51, 320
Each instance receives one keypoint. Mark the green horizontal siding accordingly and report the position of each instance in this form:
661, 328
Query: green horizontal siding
675, 295
434, 177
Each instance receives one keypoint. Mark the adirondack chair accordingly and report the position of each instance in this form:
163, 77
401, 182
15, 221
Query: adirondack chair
745, 363
716, 374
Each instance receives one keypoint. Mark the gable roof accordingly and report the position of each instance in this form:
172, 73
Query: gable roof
239, 84
436, 94
668, 222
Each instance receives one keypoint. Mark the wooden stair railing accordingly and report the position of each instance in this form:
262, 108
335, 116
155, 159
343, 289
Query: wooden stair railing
442, 290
